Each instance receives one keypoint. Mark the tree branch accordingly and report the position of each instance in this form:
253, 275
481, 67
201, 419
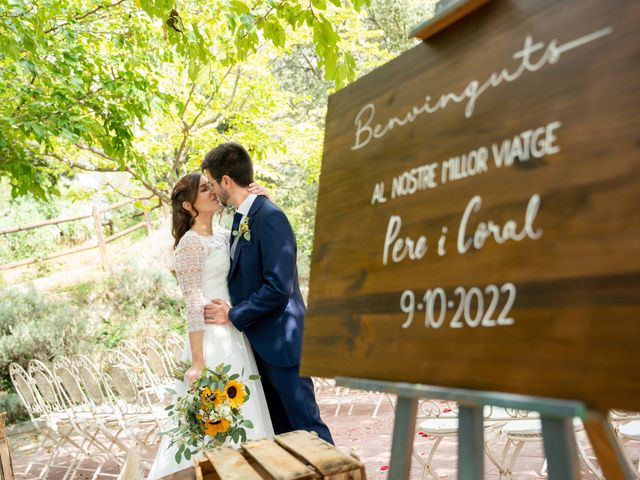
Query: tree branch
186, 104
115, 189
213, 94
96, 151
215, 118
149, 186
85, 15
156, 191
314, 70
76, 165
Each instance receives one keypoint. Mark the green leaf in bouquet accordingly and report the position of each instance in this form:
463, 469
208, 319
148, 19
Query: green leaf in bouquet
234, 376
169, 407
171, 391
254, 377
247, 391
226, 369
178, 456
187, 454
170, 413
247, 423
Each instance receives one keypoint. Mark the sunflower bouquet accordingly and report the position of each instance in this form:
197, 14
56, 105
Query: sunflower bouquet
209, 413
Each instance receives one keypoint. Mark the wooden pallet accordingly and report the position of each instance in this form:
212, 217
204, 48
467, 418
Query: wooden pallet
298, 455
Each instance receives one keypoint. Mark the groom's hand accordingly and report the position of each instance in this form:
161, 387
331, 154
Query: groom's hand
217, 313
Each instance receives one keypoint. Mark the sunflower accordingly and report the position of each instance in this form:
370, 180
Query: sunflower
234, 391
210, 398
218, 426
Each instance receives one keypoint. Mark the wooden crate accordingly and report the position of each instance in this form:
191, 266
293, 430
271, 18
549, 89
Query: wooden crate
298, 455
6, 467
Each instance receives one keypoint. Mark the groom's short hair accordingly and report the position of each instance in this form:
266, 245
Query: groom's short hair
229, 159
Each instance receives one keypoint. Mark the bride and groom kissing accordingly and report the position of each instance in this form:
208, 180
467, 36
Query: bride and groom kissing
244, 305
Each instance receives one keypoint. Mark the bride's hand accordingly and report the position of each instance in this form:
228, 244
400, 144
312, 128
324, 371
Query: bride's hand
258, 189
194, 373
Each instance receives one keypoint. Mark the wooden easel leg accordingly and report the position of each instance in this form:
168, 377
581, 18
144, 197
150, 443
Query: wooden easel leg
560, 448
404, 429
613, 462
470, 443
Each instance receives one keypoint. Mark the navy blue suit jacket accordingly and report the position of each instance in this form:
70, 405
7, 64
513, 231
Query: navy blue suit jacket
264, 289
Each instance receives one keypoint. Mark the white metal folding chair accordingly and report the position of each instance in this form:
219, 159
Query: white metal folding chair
139, 415
174, 346
158, 365
104, 409
438, 419
361, 397
48, 438
627, 427
520, 432
93, 425
62, 419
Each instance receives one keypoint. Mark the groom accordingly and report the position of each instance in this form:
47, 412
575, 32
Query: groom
263, 284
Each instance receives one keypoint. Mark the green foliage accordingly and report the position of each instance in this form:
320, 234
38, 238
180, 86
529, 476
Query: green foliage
134, 290
130, 302
394, 21
40, 242
34, 326
85, 318
12, 405
107, 88
71, 75
210, 413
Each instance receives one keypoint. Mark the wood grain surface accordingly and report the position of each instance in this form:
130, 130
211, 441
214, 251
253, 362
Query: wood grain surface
551, 86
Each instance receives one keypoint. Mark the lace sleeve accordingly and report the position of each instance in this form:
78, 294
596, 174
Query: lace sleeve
189, 263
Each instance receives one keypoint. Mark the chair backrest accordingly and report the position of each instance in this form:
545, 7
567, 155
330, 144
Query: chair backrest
132, 351
174, 346
431, 408
23, 385
90, 378
68, 380
157, 359
45, 382
122, 379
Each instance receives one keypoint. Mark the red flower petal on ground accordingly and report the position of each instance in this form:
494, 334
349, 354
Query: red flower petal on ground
384, 467
446, 410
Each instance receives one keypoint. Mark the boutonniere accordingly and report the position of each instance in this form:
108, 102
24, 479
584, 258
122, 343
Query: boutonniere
243, 229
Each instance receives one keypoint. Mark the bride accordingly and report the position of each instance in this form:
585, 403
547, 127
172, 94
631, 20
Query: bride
202, 262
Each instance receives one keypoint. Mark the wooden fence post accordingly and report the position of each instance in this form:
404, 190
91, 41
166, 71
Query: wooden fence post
147, 220
101, 243
6, 467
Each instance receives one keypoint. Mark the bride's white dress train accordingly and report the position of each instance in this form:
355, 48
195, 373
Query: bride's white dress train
202, 264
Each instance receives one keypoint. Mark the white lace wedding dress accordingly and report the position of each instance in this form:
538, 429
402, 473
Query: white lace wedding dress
202, 264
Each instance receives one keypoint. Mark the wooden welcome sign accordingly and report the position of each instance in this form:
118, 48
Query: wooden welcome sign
478, 220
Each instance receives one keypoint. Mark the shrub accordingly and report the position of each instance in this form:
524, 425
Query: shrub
34, 326
12, 405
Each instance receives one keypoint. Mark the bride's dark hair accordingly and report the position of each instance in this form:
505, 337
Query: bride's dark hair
186, 190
